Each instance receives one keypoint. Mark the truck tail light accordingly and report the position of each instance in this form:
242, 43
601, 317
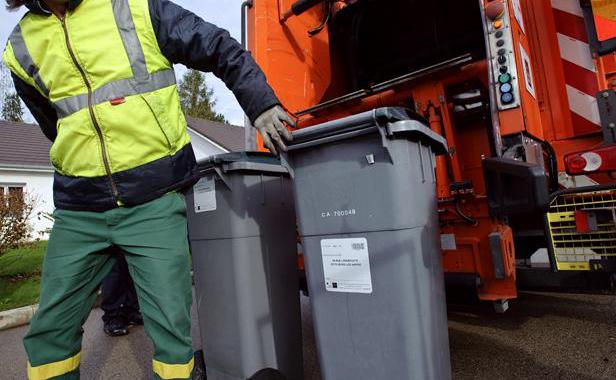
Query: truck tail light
598, 160
495, 11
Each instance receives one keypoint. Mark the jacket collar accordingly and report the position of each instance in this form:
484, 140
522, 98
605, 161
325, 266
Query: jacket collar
39, 7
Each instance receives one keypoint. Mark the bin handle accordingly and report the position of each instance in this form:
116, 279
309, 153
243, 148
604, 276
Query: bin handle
412, 127
285, 163
333, 138
354, 122
367, 122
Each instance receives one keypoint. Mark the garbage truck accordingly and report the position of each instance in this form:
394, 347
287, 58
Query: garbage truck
522, 91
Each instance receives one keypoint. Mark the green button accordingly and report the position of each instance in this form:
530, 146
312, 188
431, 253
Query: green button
504, 78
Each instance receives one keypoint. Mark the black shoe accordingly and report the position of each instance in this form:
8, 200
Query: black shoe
268, 374
199, 371
116, 327
135, 319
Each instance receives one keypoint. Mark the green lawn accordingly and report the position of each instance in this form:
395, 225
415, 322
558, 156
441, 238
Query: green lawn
20, 270
19, 293
25, 260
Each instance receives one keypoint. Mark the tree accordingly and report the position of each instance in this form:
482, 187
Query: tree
196, 98
11, 108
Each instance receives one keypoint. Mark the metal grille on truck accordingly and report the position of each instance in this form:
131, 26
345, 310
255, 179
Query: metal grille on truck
572, 249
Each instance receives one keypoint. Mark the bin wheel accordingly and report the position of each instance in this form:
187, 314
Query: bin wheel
268, 374
303, 284
199, 372
500, 306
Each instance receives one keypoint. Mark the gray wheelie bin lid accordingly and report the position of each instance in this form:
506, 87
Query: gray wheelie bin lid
390, 122
226, 174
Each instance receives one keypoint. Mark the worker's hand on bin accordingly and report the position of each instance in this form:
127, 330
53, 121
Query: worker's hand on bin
271, 126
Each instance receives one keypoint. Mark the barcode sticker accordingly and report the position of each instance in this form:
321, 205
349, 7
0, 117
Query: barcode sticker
346, 265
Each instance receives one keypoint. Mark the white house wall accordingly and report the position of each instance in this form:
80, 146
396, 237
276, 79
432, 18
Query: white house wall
39, 185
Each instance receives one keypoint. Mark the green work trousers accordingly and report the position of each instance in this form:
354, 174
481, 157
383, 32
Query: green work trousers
153, 238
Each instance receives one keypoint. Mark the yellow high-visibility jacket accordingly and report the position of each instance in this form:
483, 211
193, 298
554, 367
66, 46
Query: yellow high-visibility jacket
106, 70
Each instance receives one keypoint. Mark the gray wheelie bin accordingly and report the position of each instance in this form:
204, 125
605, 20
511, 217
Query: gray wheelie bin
367, 211
242, 231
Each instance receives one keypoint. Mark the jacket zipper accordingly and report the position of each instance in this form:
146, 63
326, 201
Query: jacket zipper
99, 132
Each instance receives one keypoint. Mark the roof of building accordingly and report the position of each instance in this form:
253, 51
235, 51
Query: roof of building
23, 145
228, 136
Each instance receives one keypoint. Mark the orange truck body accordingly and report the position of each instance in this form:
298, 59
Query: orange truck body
557, 74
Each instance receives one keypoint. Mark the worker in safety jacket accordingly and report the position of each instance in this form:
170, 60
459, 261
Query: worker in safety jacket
98, 77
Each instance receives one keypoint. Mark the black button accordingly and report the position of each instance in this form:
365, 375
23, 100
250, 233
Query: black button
502, 59
503, 69
499, 34
500, 43
502, 51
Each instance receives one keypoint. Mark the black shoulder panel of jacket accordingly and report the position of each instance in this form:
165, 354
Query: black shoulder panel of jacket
186, 38
40, 107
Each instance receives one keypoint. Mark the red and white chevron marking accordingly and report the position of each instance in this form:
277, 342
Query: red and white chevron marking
578, 64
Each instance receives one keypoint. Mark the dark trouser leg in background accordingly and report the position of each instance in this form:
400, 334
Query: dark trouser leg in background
119, 298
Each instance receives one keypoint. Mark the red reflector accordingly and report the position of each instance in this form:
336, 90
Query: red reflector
585, 222
117, 102
581, 222
600, 160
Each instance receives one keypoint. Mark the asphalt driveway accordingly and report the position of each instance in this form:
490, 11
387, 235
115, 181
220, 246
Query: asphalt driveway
542, 336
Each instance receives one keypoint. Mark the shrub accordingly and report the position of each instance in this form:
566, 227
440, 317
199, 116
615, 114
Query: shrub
15, 211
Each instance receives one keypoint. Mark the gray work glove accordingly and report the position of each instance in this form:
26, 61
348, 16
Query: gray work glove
270, 125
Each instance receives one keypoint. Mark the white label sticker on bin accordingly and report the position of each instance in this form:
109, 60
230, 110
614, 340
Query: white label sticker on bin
205, 194
346, 265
